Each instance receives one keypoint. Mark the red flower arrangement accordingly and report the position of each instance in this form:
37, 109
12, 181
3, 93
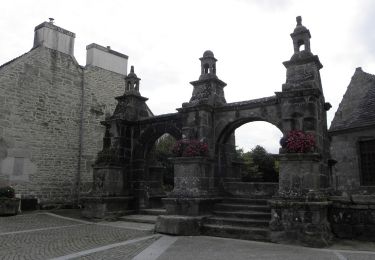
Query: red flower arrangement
190, 148
298, 141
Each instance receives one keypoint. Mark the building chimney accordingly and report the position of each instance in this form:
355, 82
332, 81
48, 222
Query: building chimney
51, 36
106, 58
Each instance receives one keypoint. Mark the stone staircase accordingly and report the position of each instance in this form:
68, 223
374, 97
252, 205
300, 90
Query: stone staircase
241, 218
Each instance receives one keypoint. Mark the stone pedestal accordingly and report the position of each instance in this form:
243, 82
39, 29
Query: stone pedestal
110, 194
193, 178
109, 181
299, 173
192, 198
299, 210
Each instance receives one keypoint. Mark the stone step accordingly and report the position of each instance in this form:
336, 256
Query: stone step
247, 233
237, 222
233, 207
244, 214
139, 218
245, 201
155, 212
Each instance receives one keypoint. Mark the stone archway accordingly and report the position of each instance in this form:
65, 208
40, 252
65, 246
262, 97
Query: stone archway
207, 117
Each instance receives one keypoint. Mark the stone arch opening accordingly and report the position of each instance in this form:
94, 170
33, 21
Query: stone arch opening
157, 172
232, 169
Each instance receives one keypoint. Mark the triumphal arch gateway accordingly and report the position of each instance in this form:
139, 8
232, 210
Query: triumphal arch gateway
204, 184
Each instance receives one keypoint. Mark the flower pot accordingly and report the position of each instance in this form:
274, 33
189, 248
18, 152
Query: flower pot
9, 206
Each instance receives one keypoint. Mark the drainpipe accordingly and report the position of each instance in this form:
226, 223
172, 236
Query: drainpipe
80, 141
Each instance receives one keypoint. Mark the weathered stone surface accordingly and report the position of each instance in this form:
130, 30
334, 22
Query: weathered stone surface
251, 189
41, 104
300, 222
179, 225
354, 219
193, 177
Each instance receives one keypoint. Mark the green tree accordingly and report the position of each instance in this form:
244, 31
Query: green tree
258, 165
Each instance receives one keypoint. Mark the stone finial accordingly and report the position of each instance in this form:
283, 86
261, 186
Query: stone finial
51, 20
132, 69
299, 20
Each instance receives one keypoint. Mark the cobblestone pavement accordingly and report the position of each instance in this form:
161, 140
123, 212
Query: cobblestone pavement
49, 236
45, 236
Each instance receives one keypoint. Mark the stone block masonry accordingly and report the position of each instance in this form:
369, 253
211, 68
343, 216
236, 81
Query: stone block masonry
41, 102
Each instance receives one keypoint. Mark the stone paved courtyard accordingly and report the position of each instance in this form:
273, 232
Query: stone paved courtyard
44, 235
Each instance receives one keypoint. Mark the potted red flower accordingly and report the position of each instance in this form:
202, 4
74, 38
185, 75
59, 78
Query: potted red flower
297, 141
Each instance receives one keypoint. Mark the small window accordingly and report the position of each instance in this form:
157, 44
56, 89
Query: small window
367, 161
205, 68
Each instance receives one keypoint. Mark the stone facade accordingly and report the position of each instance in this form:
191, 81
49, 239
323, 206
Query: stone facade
353, 123
51, 108
352, 134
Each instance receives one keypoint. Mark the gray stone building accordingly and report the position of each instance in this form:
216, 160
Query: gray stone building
50, 113
353, 136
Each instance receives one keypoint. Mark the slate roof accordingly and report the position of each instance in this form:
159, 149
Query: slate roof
357, 108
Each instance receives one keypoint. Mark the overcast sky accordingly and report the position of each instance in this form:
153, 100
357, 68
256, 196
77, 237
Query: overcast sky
250, 38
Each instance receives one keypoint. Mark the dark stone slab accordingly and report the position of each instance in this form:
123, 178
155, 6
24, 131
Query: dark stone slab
179, 225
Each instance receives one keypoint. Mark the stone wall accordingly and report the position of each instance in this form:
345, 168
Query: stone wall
40, 122
344, 149
101, 88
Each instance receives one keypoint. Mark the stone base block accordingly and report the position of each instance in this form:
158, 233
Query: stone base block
105, 207
300, 222
189, 206
179, 225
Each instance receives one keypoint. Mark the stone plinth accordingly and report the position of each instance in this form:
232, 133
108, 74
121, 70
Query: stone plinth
105, 207
300, 221
193, 177
353, 217
299, 172
191, 199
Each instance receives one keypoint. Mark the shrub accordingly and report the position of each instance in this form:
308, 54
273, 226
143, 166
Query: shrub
7, 192
190, 148
298, 141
